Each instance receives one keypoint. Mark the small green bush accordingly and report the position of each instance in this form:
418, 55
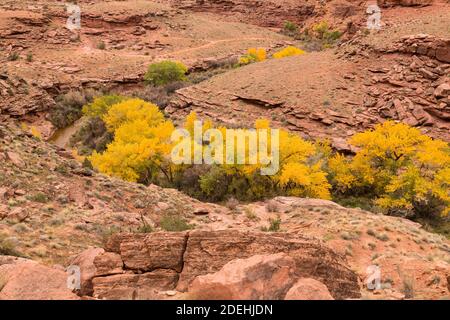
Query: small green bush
8, 249
145, 228
164, 72
290, 26
274, 225
14, 56
68, 107
174, 223
101, 45
327, 35
39, 197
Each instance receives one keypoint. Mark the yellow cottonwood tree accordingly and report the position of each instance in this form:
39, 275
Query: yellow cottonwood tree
141, 146
406, 170
253, 55
300, 174
130, 110
100, 106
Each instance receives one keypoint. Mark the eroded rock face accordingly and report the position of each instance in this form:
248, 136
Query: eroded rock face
423, 44
168, 261
265, 13
85, 261
22, 279
404, 3
266, 277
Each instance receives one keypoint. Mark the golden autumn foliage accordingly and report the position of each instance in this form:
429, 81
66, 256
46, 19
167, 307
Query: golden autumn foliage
131, 110
405, 170
141, 150
141, 142
253, 55
33, 130
101, 105
402, 170
299, 173
288, 52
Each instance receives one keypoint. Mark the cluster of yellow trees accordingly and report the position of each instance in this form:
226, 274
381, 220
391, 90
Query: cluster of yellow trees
402, 170
260, 54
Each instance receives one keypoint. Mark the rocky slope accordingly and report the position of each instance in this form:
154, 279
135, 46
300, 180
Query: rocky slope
118, 40
389, 74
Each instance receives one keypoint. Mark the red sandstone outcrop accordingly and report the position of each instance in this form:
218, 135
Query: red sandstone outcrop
22, 279
85, 261
267, 277
423, 44
161, 261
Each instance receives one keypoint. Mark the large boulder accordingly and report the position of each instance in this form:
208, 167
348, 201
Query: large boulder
183, 256
85, 261
443, 90
308, 289
260, 277
22, 279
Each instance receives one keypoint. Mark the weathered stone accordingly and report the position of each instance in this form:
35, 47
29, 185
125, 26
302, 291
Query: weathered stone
85, 261
404, 3
308, 289
259, 277
23, 279
18, 214
443, 54
442, 91
159, 250
108, 263
146, 286
15, 159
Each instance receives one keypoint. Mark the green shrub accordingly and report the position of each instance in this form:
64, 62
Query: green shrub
327, 35
274, 225
145, 228
101, 45
14, 56
164, 72
214, 183
174, 223
68, 107
290, 26
7, 248
29, 57
39, 197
